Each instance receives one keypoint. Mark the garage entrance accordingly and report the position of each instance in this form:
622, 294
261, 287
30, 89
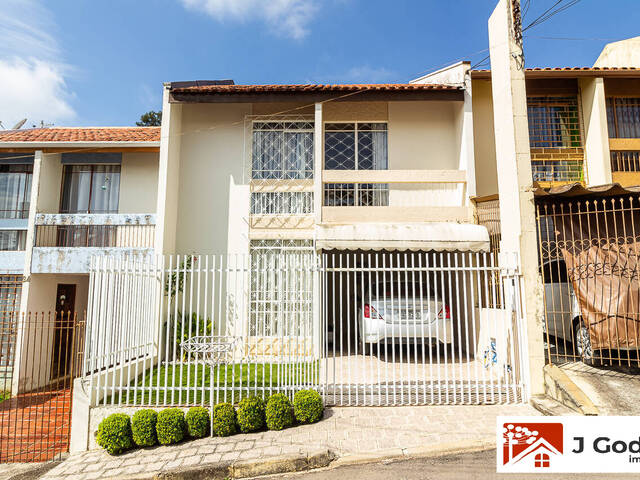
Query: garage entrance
420, 328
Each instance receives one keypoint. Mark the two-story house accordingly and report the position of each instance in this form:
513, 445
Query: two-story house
69, 194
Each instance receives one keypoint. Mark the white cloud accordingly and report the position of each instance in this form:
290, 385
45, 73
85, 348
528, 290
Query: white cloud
287, 17
32, 75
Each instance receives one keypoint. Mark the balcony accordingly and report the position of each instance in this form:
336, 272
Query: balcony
65, 243
394, 196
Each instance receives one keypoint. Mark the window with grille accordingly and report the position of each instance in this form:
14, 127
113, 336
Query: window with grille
623, 117
356, 146
281, 288
553, 122
10, 293
15, 195
625, 161
282, 150
281, 203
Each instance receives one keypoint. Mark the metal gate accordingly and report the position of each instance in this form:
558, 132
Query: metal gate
370, 328
39, 358
406, 328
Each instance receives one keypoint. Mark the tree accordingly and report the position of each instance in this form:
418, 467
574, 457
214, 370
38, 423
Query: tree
150, 119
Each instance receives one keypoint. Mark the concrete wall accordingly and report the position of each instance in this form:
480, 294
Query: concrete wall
138, 183
484, 139
625, 53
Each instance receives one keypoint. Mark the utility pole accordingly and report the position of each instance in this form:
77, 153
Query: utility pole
515, 181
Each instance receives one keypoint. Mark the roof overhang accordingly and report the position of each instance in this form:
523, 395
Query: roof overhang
577, 190
5, 146
566, 73
440, 236
314, 93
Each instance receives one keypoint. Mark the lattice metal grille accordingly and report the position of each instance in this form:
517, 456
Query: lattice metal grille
557, 170
281, 287
623, 117
282, 150
356, 194
625, 161
278, 203
554, 122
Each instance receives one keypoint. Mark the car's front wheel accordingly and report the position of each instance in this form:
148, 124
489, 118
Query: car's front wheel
583, 342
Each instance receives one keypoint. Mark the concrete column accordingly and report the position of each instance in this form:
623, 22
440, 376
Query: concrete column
168, 176
515, 185
20, 366
596, 133
467, 159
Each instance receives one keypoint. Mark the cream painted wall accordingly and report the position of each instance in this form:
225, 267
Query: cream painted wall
211, 159
424, 136
484, 139
138, 182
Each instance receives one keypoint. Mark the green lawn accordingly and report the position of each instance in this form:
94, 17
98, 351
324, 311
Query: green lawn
5, 396
195, 384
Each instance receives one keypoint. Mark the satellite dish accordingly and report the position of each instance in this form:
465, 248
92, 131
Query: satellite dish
19, 125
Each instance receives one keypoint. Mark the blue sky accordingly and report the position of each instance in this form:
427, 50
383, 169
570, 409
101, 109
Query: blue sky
86, 62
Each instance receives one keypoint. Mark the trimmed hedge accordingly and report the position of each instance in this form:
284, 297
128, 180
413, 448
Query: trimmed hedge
251, 414
171, 426
307, 406
114, 433
198, 422
224, 420
279, 412
143, 426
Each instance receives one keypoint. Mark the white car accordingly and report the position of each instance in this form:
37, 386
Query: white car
563, 319
403, 313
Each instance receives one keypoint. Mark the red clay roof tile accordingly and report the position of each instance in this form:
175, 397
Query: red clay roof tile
82, 134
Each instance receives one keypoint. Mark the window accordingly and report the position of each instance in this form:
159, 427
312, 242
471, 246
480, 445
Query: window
90, 189
282, 150
281, 288
623, 117
553, 122
542, 460
15, 190
356, 146
281, 203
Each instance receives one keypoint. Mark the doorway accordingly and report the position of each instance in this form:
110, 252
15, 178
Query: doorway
63, 330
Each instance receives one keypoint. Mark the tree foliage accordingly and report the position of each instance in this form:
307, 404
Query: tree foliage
150, 119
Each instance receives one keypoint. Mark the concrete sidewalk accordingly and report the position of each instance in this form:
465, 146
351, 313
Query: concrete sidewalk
350, 433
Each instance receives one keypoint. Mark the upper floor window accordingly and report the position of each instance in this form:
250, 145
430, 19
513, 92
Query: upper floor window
623, 117
282, 150
90, 189
15, 190
553, 122
355, 146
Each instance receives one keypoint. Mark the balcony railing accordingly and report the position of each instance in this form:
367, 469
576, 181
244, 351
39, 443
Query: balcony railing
95, 230
394, 196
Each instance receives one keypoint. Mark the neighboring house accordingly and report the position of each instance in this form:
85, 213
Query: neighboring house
68, 194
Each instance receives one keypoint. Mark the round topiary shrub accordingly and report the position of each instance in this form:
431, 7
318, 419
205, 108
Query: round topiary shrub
170, 427
224, 420
279, 413
198, 422
251, 414
114, 433
307, 406
143, 426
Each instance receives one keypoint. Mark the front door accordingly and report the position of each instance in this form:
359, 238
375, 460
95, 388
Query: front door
63, 333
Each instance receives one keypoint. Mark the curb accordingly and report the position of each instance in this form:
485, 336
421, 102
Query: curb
550, 407
251, 468
437, 450
321, 458
559, 387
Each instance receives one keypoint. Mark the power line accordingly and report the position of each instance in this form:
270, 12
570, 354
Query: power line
552, 11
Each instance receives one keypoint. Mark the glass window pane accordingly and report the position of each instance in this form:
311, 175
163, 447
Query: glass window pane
339, 151
15, 190
372, 150
76, 189
105, 189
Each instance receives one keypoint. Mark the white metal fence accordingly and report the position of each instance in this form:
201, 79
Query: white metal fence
370, 328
